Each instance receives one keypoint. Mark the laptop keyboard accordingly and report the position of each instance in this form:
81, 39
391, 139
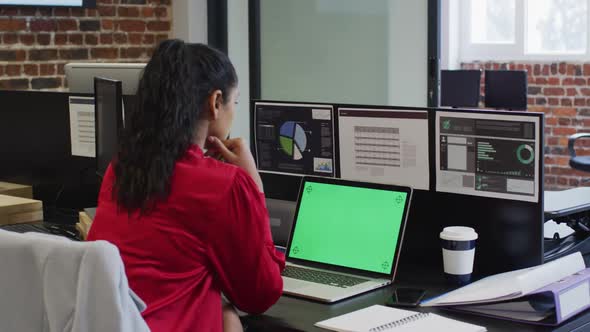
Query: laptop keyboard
68, 231
321, 277
23, 228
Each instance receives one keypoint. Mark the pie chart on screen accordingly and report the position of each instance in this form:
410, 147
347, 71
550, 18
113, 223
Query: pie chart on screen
292, 139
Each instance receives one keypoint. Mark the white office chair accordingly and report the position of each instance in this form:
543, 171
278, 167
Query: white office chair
49, 283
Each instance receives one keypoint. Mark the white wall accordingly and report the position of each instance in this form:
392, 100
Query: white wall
238, 50
190, 24
189, 20
450, 43
408, 53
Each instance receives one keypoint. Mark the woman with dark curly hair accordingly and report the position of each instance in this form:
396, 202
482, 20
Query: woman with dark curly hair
189, 226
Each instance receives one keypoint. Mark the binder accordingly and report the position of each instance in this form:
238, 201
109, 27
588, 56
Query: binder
550, 305
510, 285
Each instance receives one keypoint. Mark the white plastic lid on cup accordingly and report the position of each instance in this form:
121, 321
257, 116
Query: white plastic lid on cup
458, 233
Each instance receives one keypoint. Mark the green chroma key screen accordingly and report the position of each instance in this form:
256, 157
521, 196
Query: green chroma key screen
348, 226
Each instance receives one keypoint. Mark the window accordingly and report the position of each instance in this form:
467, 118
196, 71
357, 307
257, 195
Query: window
524, 29
332, 50
492, 21
557, 26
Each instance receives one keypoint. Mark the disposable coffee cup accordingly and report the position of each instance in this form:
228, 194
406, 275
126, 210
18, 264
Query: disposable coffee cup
458, 250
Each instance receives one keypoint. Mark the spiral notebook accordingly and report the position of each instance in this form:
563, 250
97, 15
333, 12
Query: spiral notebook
379, 318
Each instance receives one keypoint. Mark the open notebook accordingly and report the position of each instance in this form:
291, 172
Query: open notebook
380, 318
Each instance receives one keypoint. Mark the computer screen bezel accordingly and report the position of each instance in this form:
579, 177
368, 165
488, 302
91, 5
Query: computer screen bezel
119, 114
398, 248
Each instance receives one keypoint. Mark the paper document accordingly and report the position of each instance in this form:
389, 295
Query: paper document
549, 305
82, 126
511, 285
380, 318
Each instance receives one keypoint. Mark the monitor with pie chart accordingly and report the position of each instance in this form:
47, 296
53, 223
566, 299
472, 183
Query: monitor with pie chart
294, 138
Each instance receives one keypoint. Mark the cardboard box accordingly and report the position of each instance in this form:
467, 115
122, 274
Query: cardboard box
84, 224
14, 210
14, 189
24, 217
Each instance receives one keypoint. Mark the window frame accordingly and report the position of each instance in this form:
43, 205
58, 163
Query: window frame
469, 51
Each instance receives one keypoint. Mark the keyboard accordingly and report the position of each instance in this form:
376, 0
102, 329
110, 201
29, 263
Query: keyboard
321, 277
47, 228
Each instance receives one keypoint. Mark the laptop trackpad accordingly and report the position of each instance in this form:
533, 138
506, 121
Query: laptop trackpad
295, 285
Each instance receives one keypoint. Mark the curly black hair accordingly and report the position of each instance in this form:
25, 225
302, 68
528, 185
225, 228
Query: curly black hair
174, 88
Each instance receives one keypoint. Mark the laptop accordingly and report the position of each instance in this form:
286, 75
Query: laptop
281, 219
346, 238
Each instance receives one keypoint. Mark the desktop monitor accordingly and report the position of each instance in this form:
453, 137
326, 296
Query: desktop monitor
494, 155
35, 145
460, 88
108, 120
506, 89
489, 176
384, 145
294, 138
80, 76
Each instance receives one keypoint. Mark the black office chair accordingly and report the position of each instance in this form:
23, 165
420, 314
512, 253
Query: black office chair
581, 163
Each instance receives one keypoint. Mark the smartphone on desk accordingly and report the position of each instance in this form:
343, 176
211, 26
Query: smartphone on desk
406, 297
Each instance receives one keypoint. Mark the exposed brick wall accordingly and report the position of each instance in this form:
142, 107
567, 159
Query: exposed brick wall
561, 91
36, 43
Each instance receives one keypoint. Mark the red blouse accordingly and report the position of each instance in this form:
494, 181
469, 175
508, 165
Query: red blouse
211, 235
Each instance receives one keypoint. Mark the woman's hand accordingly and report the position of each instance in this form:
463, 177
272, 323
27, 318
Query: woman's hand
236, 152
